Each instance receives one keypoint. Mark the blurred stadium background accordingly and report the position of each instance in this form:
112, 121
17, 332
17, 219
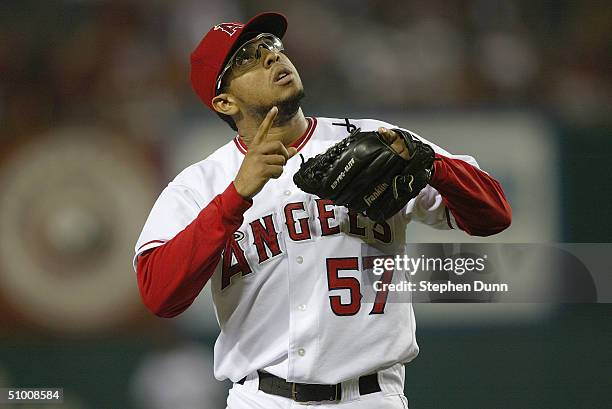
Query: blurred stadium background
97, 115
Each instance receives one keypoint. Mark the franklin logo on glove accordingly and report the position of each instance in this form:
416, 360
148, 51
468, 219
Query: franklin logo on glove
378, 190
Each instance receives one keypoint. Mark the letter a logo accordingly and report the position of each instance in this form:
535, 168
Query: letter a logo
229, 28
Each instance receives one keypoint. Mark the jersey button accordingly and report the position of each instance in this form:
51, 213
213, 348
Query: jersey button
301, 352
287, 192
299, 259
302, 307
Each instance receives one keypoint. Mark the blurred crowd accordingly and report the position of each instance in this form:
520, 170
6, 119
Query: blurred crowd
125, 63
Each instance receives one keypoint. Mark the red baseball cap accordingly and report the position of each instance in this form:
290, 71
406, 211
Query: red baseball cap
209, 57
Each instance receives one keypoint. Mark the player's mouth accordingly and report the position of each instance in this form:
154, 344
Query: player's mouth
283, 76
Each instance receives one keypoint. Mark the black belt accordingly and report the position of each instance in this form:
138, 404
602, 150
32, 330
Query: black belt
305, 392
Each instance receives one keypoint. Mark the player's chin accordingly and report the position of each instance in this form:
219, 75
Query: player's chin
289, 91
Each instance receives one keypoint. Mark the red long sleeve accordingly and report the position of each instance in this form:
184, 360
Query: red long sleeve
172, 275
475, 199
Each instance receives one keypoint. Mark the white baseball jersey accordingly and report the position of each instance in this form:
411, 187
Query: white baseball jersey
281, 293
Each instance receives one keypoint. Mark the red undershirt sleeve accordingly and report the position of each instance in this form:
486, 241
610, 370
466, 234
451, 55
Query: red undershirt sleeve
172, 275
475, 199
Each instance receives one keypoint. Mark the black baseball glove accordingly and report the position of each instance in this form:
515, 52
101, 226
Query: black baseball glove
363, 173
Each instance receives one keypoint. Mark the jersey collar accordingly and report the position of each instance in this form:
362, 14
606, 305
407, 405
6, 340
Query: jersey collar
299, 143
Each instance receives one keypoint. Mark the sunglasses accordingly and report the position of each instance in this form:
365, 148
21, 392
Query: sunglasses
249, 53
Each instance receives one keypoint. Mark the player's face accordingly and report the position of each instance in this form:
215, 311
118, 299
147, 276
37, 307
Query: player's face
263, 76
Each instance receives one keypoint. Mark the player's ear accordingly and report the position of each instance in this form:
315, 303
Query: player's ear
225, 104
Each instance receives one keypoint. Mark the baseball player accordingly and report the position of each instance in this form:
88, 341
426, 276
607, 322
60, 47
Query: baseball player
283, 264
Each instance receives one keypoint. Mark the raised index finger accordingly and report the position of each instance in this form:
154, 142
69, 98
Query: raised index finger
265, 126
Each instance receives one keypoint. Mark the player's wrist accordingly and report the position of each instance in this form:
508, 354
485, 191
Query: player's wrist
234, 202
241, 190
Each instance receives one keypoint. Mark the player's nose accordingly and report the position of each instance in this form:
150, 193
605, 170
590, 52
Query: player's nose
270, 57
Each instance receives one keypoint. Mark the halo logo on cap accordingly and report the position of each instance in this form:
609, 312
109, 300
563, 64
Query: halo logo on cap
229, 28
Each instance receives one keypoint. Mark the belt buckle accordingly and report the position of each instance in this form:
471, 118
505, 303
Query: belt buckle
335, 398
293, 392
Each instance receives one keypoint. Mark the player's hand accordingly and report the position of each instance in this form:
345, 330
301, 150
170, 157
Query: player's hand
263, 161
395, 141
